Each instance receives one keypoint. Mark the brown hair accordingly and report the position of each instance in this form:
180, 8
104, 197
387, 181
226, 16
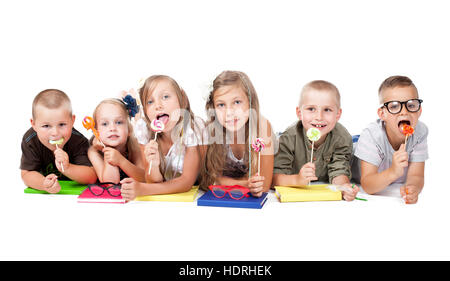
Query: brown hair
51, 98
213, 166
322, 85
395, 81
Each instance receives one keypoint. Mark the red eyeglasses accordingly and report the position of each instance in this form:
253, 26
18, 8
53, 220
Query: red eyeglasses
236, 192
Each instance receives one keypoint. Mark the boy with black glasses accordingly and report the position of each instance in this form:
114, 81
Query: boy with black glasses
386, 163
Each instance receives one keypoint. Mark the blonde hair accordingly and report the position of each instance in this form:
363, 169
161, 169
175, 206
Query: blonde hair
393, 82
187, 117
51, 98
132, 143
321, 85
215, 157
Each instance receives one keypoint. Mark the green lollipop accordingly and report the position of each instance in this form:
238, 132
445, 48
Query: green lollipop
313, 134
56, 142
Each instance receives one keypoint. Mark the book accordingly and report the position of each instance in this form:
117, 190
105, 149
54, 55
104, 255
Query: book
208, 199
305, 193
188, 196
67, 188
87, 197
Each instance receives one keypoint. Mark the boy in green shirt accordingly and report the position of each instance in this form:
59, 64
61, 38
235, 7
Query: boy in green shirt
319, 108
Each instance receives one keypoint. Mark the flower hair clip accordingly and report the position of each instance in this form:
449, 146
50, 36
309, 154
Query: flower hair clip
131, 105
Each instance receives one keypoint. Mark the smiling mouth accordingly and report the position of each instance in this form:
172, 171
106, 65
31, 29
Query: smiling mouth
319, 126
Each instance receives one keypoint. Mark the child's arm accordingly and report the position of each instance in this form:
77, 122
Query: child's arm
414, 182
305, 175
36, 180
79, 173
105, 171
115, 159
191, 166
350, 192
151, 153
373, 182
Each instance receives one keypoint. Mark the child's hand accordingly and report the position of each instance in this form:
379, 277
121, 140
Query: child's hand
112, 156
51, 184
61, 158
350, 191
129, 188
399, 161
308, 172
151, 153
255, 184
410, 193
97, 145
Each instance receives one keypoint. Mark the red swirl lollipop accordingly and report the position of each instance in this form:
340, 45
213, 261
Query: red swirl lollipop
407, 131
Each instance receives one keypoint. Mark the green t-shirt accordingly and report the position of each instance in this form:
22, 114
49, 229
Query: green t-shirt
332, 158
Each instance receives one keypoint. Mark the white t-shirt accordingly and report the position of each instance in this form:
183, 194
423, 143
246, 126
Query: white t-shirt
174, 159
374, 147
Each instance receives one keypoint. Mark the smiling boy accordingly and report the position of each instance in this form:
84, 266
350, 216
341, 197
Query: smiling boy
320, 108
44, 162
385, 160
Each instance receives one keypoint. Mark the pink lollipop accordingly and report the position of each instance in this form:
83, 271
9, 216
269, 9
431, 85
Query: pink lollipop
258, 145
157, 127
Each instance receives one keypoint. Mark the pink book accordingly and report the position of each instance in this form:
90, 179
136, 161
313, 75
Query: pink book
88, 197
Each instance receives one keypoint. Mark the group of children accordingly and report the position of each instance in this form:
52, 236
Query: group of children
191, 151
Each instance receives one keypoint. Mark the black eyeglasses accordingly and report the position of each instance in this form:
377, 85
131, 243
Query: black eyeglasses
110, 187
395, 107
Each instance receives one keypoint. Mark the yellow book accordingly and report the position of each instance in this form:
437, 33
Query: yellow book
318, 192
188, 196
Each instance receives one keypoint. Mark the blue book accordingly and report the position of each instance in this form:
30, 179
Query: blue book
208, 199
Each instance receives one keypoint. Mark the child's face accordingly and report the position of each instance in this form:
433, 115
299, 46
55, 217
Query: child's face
231, 105
52, 124
394, 122
319, 109
163, 105
112, 125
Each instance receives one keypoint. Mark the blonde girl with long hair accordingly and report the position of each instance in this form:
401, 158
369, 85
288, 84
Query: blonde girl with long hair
172, 157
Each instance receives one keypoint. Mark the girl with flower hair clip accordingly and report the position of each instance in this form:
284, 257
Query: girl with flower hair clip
121, 156
233, 123
172, 156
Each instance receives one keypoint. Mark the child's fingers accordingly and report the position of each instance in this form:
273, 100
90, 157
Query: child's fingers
126, 181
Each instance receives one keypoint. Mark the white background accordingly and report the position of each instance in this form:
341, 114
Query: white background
94, 49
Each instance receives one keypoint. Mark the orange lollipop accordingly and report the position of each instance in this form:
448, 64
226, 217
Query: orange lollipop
89, 124
407, 131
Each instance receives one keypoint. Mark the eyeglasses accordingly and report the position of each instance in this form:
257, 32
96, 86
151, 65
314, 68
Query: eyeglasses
395, 107
110, 187
236, 192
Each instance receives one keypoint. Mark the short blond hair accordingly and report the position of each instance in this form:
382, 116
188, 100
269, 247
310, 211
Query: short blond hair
51, 98
321, 85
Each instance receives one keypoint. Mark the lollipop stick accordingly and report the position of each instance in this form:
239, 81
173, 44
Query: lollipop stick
406, 139
151, 162
259, 163
312, 151
60, 163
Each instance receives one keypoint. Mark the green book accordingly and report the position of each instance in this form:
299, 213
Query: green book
67, 188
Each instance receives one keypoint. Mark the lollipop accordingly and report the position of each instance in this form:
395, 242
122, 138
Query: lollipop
407, 131
157, 126
89, 124
258, 146
313, 135
56, 142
